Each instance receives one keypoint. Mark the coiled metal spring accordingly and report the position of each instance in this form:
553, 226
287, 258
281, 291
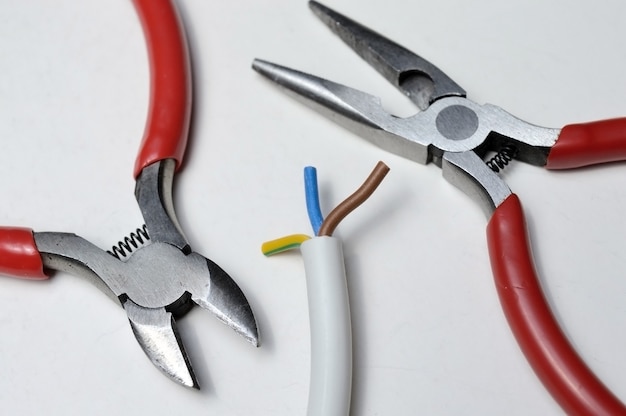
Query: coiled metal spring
130, 243
504, 156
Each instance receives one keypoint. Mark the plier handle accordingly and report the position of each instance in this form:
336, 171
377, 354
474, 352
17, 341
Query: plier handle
169, 112
457, 134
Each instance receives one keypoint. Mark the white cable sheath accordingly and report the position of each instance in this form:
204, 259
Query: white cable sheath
331, 333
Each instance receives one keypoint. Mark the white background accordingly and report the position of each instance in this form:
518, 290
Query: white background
429, 334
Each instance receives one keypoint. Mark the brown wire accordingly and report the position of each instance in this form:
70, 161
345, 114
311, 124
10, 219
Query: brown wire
353, 201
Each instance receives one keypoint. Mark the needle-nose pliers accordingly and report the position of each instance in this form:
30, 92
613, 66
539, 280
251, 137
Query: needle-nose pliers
153, 274
456, 134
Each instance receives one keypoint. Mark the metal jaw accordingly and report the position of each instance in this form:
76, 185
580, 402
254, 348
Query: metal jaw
159, 281
449, 123
419, 79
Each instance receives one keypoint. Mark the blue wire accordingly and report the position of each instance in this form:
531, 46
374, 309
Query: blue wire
312, 198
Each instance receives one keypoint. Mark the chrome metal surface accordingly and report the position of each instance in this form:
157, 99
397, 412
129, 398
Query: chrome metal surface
355, 110
451, 124
158, 281
154, 196
450, 131
155, 330
468, 172
158, 276
419, 79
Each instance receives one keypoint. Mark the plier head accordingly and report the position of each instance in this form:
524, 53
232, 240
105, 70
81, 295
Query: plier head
158, 281
447, 124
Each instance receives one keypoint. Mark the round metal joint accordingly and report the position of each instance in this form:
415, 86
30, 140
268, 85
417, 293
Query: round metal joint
457, 122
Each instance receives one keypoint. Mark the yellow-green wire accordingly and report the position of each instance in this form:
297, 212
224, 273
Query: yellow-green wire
283, 244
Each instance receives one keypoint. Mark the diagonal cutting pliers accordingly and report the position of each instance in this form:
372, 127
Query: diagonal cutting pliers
154, 274
457, 135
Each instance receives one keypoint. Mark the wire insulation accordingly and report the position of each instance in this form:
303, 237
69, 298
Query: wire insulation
283, 244
330, 384
312, 198
353, 201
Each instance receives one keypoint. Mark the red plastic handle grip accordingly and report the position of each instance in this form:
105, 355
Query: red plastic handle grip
19, 256
589, 144
562, 371
169, 112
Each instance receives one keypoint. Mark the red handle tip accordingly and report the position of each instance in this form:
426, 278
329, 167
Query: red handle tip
19, 256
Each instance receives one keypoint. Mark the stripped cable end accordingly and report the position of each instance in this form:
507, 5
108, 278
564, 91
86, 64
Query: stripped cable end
286, 243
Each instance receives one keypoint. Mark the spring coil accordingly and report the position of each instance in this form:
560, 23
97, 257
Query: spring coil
504, 156
130, 243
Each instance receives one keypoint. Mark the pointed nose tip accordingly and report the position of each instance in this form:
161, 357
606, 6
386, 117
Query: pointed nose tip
264, 67
318, 8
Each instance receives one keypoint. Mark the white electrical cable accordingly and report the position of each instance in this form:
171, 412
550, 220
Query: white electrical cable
331, 333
